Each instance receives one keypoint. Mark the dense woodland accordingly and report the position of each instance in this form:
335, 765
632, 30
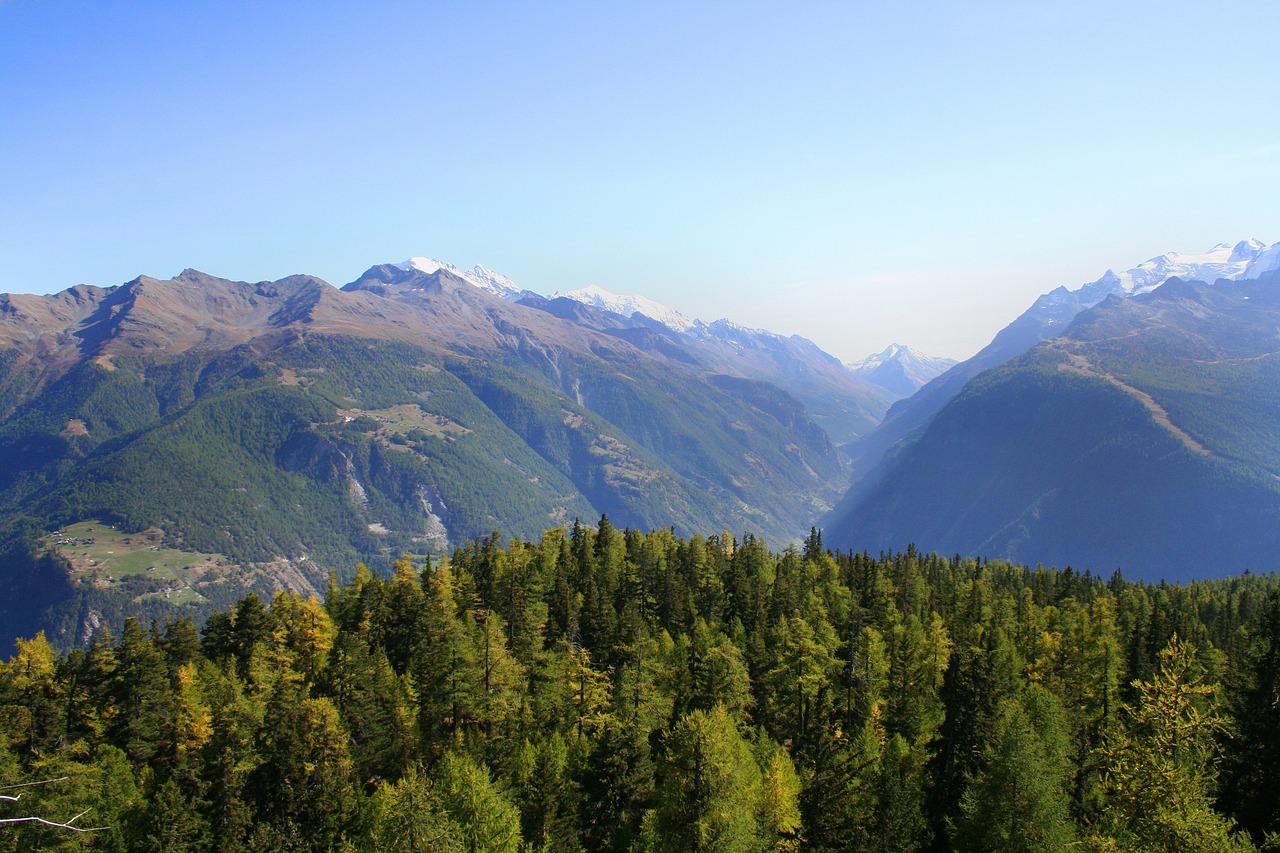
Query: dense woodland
607, 689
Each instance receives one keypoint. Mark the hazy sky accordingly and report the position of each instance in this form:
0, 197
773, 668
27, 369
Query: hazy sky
858, 173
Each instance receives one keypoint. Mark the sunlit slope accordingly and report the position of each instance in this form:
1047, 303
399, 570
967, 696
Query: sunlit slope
293, 423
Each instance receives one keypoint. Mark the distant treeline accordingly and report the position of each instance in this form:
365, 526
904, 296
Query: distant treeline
607, 689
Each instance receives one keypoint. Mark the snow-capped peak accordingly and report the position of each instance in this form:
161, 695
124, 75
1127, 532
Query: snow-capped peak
1247, 249
1246, 259
593, 294
479, 275
627, 305
495, 282
900, 369
902, 354
428, 265
1222, 261
1266, 260
873, 361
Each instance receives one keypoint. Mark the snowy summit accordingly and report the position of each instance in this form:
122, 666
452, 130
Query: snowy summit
900, 369
481, 276
1246, 259
594, 294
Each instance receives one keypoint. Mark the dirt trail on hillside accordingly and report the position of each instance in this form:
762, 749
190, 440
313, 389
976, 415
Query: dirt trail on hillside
1078, 364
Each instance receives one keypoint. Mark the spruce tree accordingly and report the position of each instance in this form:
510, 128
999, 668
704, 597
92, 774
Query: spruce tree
1018, 802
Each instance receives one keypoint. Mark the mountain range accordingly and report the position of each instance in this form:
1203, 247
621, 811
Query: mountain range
1049, 315
172, 444
285, 429
1127, 424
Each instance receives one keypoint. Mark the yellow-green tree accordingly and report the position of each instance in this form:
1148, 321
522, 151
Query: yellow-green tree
1160, 768
708, 789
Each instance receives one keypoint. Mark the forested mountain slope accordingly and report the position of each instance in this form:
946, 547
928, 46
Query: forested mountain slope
1047, 317
1144, 437
282, 429
845, 404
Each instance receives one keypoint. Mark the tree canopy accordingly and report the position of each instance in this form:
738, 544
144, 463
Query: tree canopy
610, 689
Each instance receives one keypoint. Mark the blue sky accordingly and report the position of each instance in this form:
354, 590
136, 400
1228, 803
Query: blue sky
858, 173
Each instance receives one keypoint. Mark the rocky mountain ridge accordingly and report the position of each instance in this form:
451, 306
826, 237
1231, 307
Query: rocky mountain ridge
1048, 316
293, 423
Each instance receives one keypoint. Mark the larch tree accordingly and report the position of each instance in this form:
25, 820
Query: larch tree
708, 789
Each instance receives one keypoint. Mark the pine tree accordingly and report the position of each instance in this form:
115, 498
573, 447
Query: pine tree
546, 796
899, 823
442, 664
518, 600
780, 804
488, 822
984, 673
402, 613
28, 683
170, 824
714, 673
142, 687
840, 799
407, 817
1251, 772
373, 708
617, 786
1018, 802
795, 689
918, 658
252, 626
180, 643
500, 684
305, 779
304, 633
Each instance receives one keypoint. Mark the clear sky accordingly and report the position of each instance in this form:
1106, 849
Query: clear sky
855, 172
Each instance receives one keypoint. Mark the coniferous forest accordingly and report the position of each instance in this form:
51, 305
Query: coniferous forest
608, 689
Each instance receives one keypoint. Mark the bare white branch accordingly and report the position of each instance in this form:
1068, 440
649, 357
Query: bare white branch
54, 823
70, 824
29, 784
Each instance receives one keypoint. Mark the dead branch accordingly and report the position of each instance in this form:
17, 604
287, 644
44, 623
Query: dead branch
54, 823
17, 797
67, 825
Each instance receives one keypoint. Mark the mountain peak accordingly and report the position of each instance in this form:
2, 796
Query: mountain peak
900, 369
627, 305
1247, 250
480, 276
426, 265
1222, 261
891, 351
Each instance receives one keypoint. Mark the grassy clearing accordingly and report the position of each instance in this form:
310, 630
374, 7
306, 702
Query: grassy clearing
107, 556
407, 417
